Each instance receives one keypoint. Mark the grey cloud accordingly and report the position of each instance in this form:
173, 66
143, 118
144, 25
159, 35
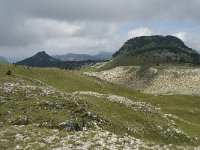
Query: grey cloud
17, 34
109, 10
62, 26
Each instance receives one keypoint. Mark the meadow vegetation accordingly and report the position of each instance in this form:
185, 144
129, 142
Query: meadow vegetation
34, 102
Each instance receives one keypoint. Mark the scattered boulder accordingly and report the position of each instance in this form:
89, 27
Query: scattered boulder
71, 126
21, 120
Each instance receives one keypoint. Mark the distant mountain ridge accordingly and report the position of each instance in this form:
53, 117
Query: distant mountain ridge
42, 59
3, 59
154, 50
80, 57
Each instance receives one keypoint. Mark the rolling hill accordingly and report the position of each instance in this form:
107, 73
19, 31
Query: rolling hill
42, 59
51, 108
157, 80
154, 51
151, 106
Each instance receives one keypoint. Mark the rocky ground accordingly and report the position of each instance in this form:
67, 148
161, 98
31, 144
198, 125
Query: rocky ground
176, 81
142, 107
32, 137
21, 128
169, 80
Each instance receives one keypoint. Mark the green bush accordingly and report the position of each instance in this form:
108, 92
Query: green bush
9, 72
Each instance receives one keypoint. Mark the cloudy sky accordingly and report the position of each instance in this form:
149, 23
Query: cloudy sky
90, 26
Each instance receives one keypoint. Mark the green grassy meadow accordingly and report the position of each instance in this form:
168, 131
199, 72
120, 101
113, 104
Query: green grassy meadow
116, 117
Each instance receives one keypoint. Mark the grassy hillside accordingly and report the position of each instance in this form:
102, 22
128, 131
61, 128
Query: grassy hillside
35, 101
154, 51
